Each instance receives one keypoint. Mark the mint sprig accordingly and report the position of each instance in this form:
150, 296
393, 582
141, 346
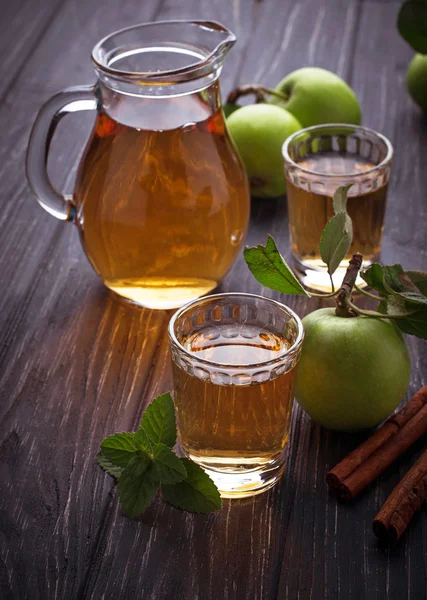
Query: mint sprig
158, 421
196, 493
108, 466
119, 448
136, 488
167, 468
143, 462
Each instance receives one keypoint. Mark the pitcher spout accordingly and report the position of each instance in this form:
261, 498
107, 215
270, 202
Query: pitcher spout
219, 41
163, 52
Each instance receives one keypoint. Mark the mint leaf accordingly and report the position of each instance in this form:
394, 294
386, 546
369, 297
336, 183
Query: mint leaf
136, 490
269, 268
412, 24
336, 241
339, 201
119, 448
142, 441
166, 467
108, 466
197, 493
143, 460
158, 421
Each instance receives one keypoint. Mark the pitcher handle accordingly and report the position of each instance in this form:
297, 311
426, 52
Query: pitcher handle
72, 99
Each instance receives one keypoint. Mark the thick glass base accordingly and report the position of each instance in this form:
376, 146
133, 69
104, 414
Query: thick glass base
161, 294
314, 276
249, 477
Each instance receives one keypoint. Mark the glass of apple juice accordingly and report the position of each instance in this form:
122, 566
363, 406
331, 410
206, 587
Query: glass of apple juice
318, 160
233, 360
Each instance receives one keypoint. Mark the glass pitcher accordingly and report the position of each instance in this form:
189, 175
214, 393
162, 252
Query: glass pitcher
161, 200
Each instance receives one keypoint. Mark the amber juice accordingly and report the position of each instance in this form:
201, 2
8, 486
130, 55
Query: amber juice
236, 424
310, 209
162, 212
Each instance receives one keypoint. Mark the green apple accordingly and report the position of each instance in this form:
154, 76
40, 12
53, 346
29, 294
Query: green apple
258, 132
416, 80
316, 96
229, 108
353, 372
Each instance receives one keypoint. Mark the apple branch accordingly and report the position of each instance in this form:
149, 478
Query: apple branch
260, 92
345, 306
343, 298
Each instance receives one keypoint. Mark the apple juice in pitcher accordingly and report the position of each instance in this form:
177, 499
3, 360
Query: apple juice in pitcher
161, 199
164, 211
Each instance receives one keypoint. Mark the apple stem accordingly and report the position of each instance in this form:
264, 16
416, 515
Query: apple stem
343, 299
260, 91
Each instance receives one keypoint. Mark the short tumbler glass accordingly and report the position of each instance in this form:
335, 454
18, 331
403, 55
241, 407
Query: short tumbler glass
233, 359
317, 161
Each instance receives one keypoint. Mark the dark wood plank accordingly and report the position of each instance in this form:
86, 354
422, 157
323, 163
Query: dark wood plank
26, 23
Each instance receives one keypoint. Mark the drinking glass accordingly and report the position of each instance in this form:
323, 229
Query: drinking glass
317, 161
233, 360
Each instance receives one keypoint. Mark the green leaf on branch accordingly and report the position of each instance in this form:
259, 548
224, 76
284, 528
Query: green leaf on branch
416, 324
339, 201
337, 236
197, 493
412, 24
119, 448
373, 276
418, 278
392, 279
336, 241
158, 421
167, 467
108, 466
269, 268
413, 324
136, 490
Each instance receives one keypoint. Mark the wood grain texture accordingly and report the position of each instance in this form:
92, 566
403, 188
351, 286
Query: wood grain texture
25, 23
76, 364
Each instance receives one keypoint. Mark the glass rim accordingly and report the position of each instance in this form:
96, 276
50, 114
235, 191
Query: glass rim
380, 136
277, 359
192, 71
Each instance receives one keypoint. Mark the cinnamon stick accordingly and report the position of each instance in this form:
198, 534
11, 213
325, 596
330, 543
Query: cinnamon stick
370, 459
406, 498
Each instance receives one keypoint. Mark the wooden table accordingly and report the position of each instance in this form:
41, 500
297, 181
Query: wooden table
77, 365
